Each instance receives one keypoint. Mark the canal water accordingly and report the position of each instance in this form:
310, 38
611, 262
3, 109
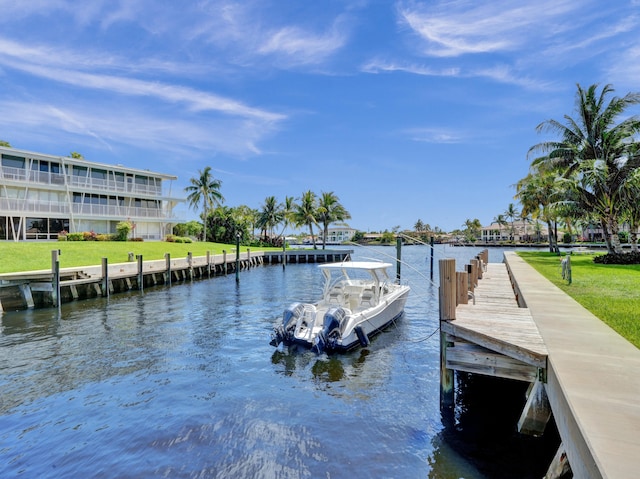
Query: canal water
181, 382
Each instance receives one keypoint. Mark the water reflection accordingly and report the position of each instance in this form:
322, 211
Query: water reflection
182, 382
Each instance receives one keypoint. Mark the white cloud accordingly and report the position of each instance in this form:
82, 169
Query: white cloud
11, 55
295, 46
451, 29
377, 66
139, 128
434, 135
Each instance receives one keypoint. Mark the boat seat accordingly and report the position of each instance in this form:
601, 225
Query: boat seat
335, 296
368, 296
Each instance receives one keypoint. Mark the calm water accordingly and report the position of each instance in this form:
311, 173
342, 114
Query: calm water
182, 382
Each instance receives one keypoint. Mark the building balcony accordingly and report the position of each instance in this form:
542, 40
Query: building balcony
12, 207
57, 180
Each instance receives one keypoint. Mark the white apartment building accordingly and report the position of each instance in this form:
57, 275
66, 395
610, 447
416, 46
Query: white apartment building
42, 195
339, 235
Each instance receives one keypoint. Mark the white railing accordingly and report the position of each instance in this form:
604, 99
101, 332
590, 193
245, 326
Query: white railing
86, 182
11, 206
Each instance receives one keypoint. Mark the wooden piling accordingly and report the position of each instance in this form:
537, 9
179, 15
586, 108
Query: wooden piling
167, 274
462, 288
474, 271
447, 269
55, 269
105, 277
140, 272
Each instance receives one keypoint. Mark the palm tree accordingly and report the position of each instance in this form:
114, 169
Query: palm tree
472, 229
287, 210
419, 226
500, 221
538, 195
329, 211
305, 213
595, 153
512, 213
205, 189
270, 216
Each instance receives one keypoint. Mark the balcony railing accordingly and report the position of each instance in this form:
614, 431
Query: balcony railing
10, 206
83, 182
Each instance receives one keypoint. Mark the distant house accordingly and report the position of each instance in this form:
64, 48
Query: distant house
518, 232
339, 235
43, 195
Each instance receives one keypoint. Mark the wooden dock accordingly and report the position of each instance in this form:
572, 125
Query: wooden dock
47, 288
522, 327
495, 336
484, 330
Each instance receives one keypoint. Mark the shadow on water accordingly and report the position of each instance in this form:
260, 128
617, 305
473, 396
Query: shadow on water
483, 430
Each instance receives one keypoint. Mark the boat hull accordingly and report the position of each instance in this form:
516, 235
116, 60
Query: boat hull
371, 323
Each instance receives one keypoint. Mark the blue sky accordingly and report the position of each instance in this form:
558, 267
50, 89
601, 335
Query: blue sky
406, 110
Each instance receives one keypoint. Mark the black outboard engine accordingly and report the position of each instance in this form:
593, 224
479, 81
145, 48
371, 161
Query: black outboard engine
290, 317
326, 339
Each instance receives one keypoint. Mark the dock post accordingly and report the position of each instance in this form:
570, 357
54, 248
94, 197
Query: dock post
462, 290
208, 264
190, 264
140, 275
431, 269
284, 254
474, 271
471, 283
105, 277
167, 278
55, 269
447, 268
224, 261
237, 257
398, 258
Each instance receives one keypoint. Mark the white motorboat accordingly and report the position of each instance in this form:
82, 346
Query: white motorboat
358, 301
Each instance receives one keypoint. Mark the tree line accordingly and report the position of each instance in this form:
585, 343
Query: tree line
590, 174
224, 224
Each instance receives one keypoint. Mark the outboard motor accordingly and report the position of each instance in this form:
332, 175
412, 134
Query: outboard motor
331, 330
284, 332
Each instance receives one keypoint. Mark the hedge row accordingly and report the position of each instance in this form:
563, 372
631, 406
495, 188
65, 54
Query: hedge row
618, 258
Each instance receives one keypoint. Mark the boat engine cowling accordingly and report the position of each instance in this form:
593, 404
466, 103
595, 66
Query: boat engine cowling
332, 324
290, 317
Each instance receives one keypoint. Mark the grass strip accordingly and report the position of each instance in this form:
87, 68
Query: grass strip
610, 292
17, 257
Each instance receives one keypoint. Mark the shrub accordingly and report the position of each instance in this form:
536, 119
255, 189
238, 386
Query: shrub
170, 238
138, 239
123, 228
89, 235
75, 237
62, 237
188, 240
618, 258
104, 237
178, 239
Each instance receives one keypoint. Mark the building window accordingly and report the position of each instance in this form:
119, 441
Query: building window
13, 161
98, 174
79, 170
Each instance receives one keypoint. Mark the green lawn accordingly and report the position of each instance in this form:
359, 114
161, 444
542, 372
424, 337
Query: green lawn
25, 256
611, 292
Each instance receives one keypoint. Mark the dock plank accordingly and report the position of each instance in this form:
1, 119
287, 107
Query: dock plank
496, 322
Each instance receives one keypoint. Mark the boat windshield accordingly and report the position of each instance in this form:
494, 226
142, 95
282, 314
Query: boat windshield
353, 273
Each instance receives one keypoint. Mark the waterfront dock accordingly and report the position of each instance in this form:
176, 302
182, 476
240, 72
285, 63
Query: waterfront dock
581, 372
47, 288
